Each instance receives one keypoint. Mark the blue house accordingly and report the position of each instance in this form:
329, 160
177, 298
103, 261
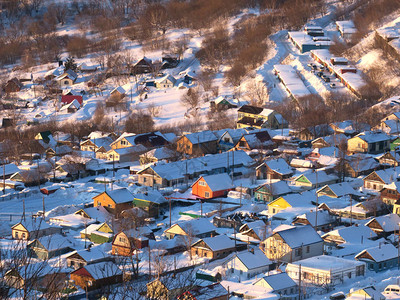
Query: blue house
379, 258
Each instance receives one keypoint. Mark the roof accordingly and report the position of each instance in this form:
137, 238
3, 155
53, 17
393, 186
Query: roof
121, 195
389, 222
213, 291
68, 73
253, 259
201, 137
323, 217
95, 253
300, 236
102, 270
33, 224
291, 80
278, 281
218, 182
9, 169
280, 166
160, 153
352, 234
380, 253
196, 226
217, 243
166, 77
341, 189
276, 188
151, 196
250, 109
373, 136
69, 98
54, 242
366, 163
327, 263
322, 177
119, 89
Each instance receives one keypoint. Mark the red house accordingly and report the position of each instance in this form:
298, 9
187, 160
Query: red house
212, 186
67, 99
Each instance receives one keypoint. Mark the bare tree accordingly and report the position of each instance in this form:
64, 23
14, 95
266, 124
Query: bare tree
191, 99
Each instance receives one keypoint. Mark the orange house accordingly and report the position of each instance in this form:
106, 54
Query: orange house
212, 186
114, 201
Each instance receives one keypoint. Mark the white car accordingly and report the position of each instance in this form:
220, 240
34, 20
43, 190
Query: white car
392, 289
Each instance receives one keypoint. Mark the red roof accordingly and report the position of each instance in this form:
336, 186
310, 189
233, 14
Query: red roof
82, 272
67, 99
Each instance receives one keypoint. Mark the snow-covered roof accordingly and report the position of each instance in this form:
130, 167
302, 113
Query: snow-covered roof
166, 77
389, 222
121, 195
352, 234
54, 242
151, 196
278, 281
323, 218
201, 137
68, 73
217, 243
219, 182
373, 136
197, 226
277, 188
33, 224
300, 236
8, 169
313, 178
213, 291
390, 30
253, 259
346, 26
380, 253
302, 163
327, 263
95, 253
119, 89
302, 38
341, 189
291, 80
280, 166
103, 270
160, 153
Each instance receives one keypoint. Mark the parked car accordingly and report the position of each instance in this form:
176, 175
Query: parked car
333, 85
326, 78
319, 74
392, 289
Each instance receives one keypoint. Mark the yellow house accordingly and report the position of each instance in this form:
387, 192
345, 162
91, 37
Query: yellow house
369, 142
115, 201
124, 141
367, 293
259, 117
289, 201
277, 205
32, 229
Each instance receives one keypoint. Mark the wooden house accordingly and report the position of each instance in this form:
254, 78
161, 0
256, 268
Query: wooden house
7, 170
321, 221
149, 140
280, 284
348, 235
369, 142
66, 79
379, 258
97, 233
221, 103
199, 228
12, 86
126, 241
143, 66
384, 225
167, 288
390, 194
128, 154
356, 166
151, 202
252, 232
215, 247
91, 255
114, 201
364, 210
293, 244
67, 99
198, 143
369, 292
214, 291
97, 145
271, 191
118, 93
95, 276
289, 201
33, 229
254, 140
389, 159
378, 179
274, 169
49, 246
212, 186
311, 133
311, 180
338, 190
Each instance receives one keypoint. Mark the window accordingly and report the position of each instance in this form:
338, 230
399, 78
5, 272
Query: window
349, 274
205, 254
144, 179
99, 203
298, 252
226, 140
206, 194
66, 82
109, 205
89, 283
121, 239
202, 183
308, 249
16, 234
23, 235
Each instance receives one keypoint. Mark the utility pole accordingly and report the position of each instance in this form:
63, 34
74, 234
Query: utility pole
316, 204
351, 210
44, 209
23, 208
398, 248
233, 163
4, 176
94, 147
149, 263
170, 212
240, 194
300, 282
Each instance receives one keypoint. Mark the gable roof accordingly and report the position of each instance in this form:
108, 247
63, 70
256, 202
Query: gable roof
121, 195
33, 224
253, 259
279, 166
340, 189
380, 253
217, 182
102, 270
250, 109
53, 242
323, 218
201, 137
300, 236
312, 177
93, 254
373, 136
217, 243
389, 222
278, 281
352, 234
196, 226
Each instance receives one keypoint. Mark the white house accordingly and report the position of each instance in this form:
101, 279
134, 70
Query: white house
168, 81
325, 270
249, 263
280, 284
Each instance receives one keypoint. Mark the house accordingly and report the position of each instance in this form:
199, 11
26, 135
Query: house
258, 117
390, 193
170, 61
149, 140
369, 142
198, 143
97, 275
91, 255
389, 159
31, 229
199, 228
248, 263
114, 201
279, 283
384, 225
143, 66
378, 179
128, 154
338, 190
271, 191
212, 186
228, 138
333, 140
315, 179
126, 241
363, 210
118, 93
97, 233
66, 79
49, 246
293, 244
290, 201
12, 86
321, 220
311, 133
165, 82
258, 139
210, 292
99, 146
349, 127
325, 270
213, 247
349, 235
379, 258
365, 293
59, 150
45, 136
252, 231
181, 172
221, 103
71, 107
158, 154
347, 29
167, 288
357, 165
67, 99
274, 169
150, 202
7, 170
